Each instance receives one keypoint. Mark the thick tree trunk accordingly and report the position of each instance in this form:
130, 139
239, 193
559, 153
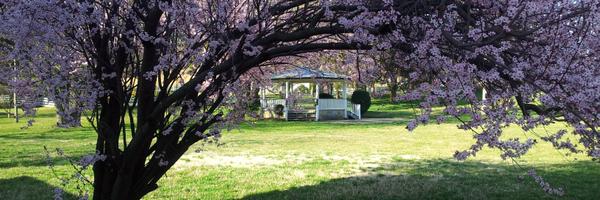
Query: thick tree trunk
68, 114
105, 172
393, 93
393, 87
67, 117
71, 121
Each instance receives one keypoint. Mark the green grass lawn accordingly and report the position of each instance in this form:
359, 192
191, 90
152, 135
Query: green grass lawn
314, 160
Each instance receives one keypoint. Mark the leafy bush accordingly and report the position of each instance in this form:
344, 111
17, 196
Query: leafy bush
278, 109
4, 90
325, 96
5, 98
254, 105
303, 89
363, 98
5, 101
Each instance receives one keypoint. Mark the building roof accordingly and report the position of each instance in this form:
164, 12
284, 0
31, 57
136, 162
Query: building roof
307, 73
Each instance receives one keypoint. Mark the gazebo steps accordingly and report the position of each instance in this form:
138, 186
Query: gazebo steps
351, 115
301, 116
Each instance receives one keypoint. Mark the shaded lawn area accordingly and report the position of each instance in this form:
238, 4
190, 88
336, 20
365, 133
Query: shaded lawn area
313, 160
384, 108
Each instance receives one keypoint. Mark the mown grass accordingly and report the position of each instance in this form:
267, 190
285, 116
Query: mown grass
315, 160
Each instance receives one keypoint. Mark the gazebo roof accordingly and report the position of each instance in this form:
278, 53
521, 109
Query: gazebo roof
307, 73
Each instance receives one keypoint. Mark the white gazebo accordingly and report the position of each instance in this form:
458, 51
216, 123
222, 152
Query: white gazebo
318, 108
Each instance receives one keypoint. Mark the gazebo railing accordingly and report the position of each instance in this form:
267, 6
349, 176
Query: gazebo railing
301, 104
270, 103
332, 104
307, 104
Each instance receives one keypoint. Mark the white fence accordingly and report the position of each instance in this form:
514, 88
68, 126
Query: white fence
332, 104
323, 104
270, 103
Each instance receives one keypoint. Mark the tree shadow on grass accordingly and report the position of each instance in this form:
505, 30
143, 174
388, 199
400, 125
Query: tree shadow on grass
389, 114
25, 187
446, 179
52, 134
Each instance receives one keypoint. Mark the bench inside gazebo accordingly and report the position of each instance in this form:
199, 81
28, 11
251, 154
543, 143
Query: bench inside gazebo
298, 107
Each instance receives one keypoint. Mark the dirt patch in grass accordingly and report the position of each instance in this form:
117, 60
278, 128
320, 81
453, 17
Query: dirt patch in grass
357, 162
212, 159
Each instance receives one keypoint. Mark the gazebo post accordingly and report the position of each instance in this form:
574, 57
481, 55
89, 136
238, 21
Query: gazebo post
287, 95
263, 102
483, 94
287, 89
317, 99
330, 86
345, 96
317, 91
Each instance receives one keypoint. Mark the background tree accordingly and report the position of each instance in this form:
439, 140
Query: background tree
358, 66
392, 73
62, 84
136, 51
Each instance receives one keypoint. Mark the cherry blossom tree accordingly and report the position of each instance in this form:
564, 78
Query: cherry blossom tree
161, 75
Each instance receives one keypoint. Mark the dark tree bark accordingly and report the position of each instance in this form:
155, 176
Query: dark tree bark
70, 121
68, 114
393, 87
